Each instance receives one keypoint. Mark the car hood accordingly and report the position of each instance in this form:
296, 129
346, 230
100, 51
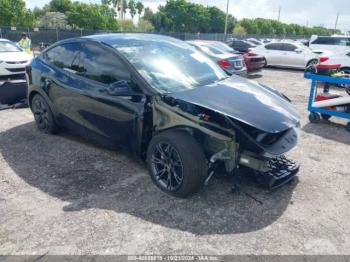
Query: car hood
246, 101
15, 56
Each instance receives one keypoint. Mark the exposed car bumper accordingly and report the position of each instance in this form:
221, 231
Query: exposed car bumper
13, 90
12, 68
255, 64
241, 72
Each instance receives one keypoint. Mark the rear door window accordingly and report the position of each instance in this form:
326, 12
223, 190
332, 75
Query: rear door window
289, 47
274, 46
323, 40
63, 55
344, 41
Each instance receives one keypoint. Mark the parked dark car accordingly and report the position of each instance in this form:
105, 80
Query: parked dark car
253, 62
167, 102
241, 46
230, 62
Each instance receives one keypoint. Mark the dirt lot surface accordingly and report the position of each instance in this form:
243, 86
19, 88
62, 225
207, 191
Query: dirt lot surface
62, 195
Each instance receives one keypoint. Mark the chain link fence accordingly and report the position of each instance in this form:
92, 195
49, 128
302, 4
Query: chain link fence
50, 36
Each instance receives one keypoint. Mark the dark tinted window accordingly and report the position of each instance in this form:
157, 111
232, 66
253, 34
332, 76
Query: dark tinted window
289, 47
323, 40
236, 43
100, 65
274, 46
63, 55
348, 54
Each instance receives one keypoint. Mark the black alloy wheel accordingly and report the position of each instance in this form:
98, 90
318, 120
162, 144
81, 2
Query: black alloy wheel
177, 163
43, 116
167, 166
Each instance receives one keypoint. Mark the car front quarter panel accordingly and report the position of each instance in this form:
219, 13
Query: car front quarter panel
224, 142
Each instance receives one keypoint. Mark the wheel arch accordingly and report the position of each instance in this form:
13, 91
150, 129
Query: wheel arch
311, 60
44, 95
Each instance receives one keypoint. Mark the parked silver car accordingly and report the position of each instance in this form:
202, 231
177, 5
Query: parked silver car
287, 54
229, 62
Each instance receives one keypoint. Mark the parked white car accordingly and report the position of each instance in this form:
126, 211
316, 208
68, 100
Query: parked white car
13, 59
342, 58
329, 44
287, 54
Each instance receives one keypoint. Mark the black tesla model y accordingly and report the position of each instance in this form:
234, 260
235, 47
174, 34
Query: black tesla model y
167, 102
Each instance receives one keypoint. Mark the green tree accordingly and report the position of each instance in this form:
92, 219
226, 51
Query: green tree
182, 16
139, 7
115, 4
14, 13
127, 26
239, 30
92, 16
61, 6
145, 26
132, 8
38, 12
53, 20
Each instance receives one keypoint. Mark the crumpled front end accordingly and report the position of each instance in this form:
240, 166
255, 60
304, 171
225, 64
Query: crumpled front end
230, 143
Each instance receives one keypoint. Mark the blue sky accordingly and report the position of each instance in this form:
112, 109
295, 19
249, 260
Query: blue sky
321, 12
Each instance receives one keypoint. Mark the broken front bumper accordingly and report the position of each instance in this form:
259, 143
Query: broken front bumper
282, 170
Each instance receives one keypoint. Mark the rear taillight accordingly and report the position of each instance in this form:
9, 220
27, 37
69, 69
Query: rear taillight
323, 59
250, 53
224, 63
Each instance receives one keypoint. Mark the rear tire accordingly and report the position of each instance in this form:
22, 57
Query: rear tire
312, 63
43, 116
176, 163
265, 64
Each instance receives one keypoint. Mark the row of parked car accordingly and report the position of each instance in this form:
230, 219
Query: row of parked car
298, 53
236, 56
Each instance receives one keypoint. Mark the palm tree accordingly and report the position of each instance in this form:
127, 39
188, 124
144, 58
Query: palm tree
132, 8
116, 4
139, 7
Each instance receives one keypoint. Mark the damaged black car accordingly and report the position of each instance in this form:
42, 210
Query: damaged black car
167, 102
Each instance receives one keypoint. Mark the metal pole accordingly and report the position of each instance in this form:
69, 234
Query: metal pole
279, 14
228, 4
336, 23
122, 9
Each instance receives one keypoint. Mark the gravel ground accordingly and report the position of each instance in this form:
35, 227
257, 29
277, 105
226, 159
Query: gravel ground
62, 195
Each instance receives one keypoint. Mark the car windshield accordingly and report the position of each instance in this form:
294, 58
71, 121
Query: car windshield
171, 65
6, 46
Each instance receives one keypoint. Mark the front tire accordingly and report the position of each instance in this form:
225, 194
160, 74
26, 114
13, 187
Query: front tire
43, 115
176, 163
